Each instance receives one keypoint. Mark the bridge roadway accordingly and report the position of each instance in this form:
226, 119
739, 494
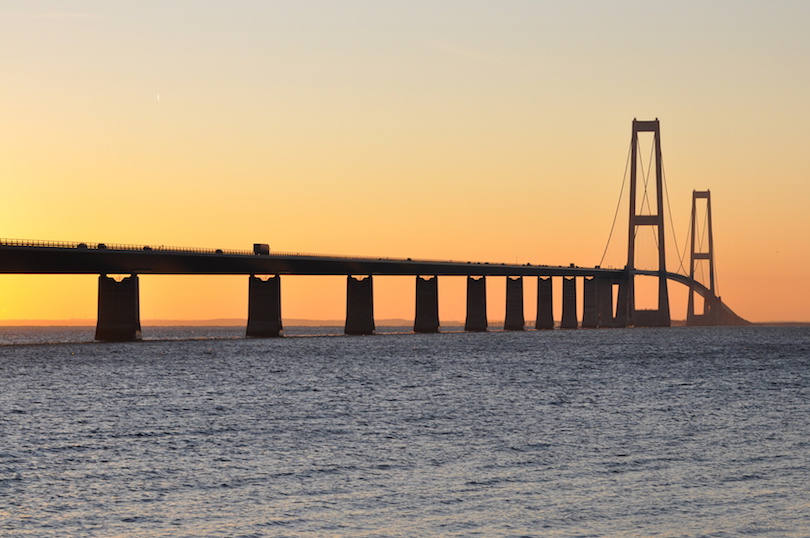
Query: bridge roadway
51, 257
66, 258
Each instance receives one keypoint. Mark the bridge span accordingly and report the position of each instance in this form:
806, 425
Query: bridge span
52, 257
118, 299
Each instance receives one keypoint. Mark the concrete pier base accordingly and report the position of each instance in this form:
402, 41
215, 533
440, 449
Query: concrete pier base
545, 311
708, 318
590, 314
658, 317
569, 305
515, 320
359, 306
426, 319
119, 312
604, 302
623, 316
264, 307
476, 305
650, 318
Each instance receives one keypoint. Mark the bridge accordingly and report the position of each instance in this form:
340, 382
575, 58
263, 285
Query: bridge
118, 299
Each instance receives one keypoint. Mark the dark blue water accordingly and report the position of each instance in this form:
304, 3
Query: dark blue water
631, 432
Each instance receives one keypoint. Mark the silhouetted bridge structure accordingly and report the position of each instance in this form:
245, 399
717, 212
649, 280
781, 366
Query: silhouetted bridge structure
119, 307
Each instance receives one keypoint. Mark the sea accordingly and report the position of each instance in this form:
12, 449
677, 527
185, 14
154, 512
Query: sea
200, 432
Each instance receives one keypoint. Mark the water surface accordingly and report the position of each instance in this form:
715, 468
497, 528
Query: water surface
639, 432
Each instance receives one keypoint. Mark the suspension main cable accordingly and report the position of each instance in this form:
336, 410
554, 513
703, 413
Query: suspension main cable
645, 201
618, 204
713, 260
672, 222
686, 245
646, 194
703, 241
716, 277
705, 229
646, 175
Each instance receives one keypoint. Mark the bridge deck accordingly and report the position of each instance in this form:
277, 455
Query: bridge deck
84, 259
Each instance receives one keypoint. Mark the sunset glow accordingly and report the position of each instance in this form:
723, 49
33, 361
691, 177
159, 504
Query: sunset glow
484, 131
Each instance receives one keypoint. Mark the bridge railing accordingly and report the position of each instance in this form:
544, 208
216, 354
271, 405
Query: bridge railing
37, 243
116, 246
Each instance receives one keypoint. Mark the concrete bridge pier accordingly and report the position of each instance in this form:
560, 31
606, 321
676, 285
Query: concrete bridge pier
569, 304
545, 311
624, 317
476, 305
359, 306
264, 307
590, 312
515, 320
119, 311
427, 305
604, 303
708, 318
658, 317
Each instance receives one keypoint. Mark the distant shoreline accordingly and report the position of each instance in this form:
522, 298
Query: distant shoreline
235, 322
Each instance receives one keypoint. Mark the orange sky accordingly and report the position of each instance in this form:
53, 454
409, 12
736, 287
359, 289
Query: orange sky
491, 131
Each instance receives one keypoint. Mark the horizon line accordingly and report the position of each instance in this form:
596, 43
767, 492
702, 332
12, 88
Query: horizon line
235, 322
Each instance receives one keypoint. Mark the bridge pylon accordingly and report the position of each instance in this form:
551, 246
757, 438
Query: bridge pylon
711, 314
660, 316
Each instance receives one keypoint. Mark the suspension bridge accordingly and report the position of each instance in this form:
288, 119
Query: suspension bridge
608, 295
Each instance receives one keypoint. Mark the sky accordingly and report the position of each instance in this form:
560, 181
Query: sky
450, 130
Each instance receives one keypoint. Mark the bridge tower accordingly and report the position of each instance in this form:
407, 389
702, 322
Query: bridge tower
657, 317
710, 314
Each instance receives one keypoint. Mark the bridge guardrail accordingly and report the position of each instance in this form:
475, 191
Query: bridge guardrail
37, 243
116, 246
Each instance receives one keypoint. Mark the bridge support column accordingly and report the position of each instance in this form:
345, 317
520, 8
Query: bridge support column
624, 316
590, 301
359, 306
264, 307
427, 305
569, 305
660, 316
710, 315
119, 311
515, 320
545, 311
476, 305
604, 303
